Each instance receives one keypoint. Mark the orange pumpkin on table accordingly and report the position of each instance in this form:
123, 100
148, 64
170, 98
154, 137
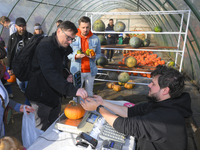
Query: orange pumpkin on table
74, 110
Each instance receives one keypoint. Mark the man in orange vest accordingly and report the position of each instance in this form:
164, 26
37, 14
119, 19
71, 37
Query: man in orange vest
85, 40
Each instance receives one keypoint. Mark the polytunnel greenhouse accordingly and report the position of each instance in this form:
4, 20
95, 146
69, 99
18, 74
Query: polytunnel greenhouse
161, 53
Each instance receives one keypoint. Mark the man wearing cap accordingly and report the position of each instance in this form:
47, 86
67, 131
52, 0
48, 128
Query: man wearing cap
7, 23
21, 36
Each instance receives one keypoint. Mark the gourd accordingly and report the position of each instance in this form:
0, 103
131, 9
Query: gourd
98, 25
12, 79
113, 75
158, 29
129, 85
117, 88
146, 42
135, 42
110, 85
74, 110
119, 27
130, 61
123, 77
102, 61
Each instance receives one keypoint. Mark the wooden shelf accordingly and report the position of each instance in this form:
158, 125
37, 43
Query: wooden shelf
125, 46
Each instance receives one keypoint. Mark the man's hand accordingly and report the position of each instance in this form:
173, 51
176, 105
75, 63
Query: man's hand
89, 104
79, 56
109, 35
70, 78
28, 109
97, 98
92, 57
82, 93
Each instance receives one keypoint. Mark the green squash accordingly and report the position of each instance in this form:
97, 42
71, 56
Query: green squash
119, 27
123, 77
102, 39
130, 61
146, 42
135, 42
102, 61
158, 29
113, 75
98, 25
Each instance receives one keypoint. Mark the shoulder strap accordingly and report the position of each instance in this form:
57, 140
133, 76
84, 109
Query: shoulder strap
3, 101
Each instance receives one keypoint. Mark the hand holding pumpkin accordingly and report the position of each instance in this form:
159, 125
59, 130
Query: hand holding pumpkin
82, 93
79, 56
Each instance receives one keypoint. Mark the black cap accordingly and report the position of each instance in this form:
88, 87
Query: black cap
20, 21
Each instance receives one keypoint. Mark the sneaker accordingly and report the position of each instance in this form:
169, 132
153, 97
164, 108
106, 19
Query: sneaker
112, 59
108, 60
118, 51
115, 51
10, 95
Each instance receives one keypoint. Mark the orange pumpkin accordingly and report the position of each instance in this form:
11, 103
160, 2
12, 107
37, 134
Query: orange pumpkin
12, 79
74, 110
110, 84
129, 85
117, 88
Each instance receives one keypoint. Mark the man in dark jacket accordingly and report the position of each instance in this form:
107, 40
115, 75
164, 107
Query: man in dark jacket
47, 84
158, 124
16, 40
111, 39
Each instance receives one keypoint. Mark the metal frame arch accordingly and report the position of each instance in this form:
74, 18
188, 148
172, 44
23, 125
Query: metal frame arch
61, 12
92, 10
10, 13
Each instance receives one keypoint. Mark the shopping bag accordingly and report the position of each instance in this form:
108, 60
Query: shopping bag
29, 132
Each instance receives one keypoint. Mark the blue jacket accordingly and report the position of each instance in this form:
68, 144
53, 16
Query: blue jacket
94, 43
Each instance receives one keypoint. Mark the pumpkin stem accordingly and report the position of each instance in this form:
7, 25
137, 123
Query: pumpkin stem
73, 102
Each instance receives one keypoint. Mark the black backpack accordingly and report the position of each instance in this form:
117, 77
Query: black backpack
22, 61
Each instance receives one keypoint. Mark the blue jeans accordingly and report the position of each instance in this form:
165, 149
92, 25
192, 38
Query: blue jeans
22, 85
8, 88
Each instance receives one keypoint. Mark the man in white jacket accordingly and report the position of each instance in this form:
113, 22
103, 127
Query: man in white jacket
7, 23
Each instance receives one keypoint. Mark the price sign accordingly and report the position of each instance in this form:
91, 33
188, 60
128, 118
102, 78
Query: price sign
77, 79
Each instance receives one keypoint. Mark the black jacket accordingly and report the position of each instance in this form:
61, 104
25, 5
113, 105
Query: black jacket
12, 43
47, 83
158, 125
113, 38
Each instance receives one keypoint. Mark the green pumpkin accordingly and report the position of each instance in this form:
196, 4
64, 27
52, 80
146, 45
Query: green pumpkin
98, 25
135, 42
158, 29
146, 42
113, 75
102, 61
119, 27
102, 39
123, 77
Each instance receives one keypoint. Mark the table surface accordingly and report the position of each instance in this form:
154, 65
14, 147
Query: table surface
50, 140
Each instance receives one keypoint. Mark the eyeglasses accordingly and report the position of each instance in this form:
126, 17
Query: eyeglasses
68, 37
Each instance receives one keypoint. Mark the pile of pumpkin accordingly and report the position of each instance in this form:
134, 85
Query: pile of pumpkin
123, 80
143, 58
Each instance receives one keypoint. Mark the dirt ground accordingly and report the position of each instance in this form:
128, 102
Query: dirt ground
135, 95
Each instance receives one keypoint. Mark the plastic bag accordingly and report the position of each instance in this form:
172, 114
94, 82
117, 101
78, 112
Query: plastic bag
29, 131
